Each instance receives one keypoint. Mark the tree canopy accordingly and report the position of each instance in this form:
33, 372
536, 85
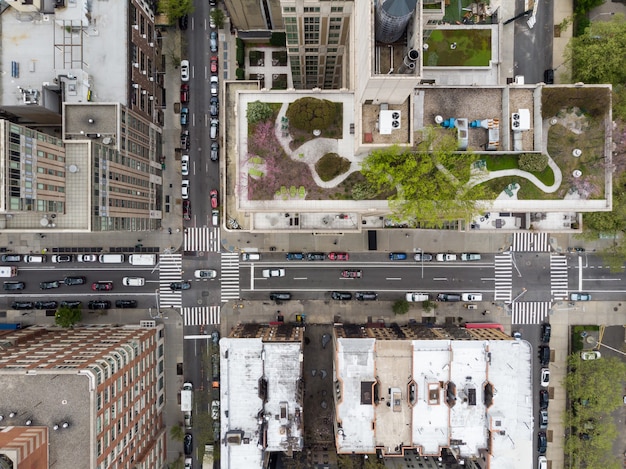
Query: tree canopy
67, 317
175, 9
431, 183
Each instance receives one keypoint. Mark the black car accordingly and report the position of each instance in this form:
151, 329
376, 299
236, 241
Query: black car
276, 296
448, 297
46, 305
546, 330
544, 399
71, 304
22, 305
74, 281
214, 108
99, 304
542, 442
544, 355
315, 256
188, 444
183, 22
125, 304
180, 286
14, 285
215, 151
294, 256
49, 285
10, 258
548, 76
341, 295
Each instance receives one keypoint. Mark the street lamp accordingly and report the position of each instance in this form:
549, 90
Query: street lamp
601, 14
591, 339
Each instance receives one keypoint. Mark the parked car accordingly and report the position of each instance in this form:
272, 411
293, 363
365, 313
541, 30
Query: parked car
87, 258
14, 286
215, 128
184, 165
187, 422
472, 297
187, 209
59, 258
99, 304
71, 281
183, 22
212, 23
215, 410
590, 355
543, 419
188, 444
542, 462
448, 297
205, 273
214, 61
315, 256
214, 85
215, 151
397, 256
184, 93
22, 305
71, 304
546, 331
268, 273
185, 188
11, 258
341, 295
366, 296
338, 256
470, 256
49, 285
215, 337
580, 297
214, 106
125, 304
351, 273
214, 199
545, 377
544, 355
102, 286
280, 296
548, 76
184, 70
175, 286
46, 305
423, 257
184, 139
213, 41
184, 116
295, 256
414, 297
542, 442
544, 399
445, 257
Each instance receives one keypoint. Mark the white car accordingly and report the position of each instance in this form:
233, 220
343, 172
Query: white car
267, 273
542, 463
205, 273
185, 188
545, 377
215, 410
184, 70
214, 85
472, 297
184, 165
188, 462
590, 355
215, 217
443, 257
86, 258
212, 24
413, 297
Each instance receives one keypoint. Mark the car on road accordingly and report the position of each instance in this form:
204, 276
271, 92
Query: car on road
366, 296
215, 410
214, 106
184, 187
125, 303
176, 286
338, 256
546, 331
11, 258
472, 297
542, 442
71, 304
188, 461
548, 76
71, 281
214, 85
49, 285
544, 399
184, 116
544, 355
46, 305
341, 295
446, 257
315, 256
187, 209
215, 151
545, 377
268, 273
470, 256
87, 258
212, 23
580, 297
184, 93
102, 286
214, 61
188, 444
214, 199
35, 259
397, 256
542, 462
184, 70
187, 422
448, 297
59, 258
414, 297
215, 217
99, 304
183, 22
213, 41
423, 257
215, 129
184, 139
205, 273
543, 419
215, 337
351, 273
184, 165
14, 285
22, 305
590, 355
295, 256
280, 296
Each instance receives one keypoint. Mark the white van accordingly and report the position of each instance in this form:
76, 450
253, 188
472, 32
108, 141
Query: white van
133, 281
111, 258
35, 259
250, 256
142, 259
412, 297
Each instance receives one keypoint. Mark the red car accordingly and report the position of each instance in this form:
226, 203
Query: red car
214, 64
187, 209
214, 201
338, 256
102, 286
184, 93
351, 274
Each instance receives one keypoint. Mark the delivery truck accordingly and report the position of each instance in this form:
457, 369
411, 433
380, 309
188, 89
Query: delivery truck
8, 271
142, 259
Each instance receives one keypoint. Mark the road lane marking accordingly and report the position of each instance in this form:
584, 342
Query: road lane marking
301, 278
441, 278
580, 273
394, 278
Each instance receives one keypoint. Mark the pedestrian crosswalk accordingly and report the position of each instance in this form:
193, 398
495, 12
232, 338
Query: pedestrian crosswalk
558, 277
201, 315
525, 241
202, 239
503, 277
230, 276
170, 270
530, 312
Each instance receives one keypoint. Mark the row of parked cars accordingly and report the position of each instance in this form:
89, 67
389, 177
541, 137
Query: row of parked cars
393, 256
544, 397
93, 304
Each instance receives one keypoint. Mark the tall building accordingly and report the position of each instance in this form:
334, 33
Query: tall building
88, 397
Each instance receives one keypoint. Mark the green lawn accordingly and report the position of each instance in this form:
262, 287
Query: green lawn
458, 48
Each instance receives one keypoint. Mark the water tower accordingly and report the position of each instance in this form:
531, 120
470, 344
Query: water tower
392, 18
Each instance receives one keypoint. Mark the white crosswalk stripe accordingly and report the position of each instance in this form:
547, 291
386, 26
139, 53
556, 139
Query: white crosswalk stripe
202, 239
170, 268
558, 277
201, 315
503, 277
530, 312
530, 242
230, 276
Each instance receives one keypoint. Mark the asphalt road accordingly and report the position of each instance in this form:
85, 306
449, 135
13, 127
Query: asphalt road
532, 51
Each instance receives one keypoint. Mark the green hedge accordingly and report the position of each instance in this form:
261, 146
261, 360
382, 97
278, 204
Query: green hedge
240, 73
241, 53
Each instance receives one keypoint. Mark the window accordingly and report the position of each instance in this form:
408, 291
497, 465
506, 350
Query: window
336, 9
289, 9
311, 9
311, 30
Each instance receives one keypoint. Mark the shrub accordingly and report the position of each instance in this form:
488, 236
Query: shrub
258, 111
241, 53
401, 307
331, 165
240, 73
363, 191
533, 162
278, 40
311, 113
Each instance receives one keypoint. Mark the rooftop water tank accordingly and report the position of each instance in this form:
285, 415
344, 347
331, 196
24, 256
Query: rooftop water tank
392, 17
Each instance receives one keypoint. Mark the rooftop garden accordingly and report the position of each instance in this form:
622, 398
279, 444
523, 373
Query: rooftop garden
458, 48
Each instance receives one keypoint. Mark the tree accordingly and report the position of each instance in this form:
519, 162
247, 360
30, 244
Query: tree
218, 17
258, 111
177, 433
401, 307
363, 191
431, 183
309, 114
67, 317
175, 9
533, 162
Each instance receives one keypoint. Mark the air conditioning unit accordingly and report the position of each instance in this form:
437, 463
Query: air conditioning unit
395, 115
515, 120
395, 124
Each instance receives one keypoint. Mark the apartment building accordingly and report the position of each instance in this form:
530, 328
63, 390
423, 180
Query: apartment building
87, 397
